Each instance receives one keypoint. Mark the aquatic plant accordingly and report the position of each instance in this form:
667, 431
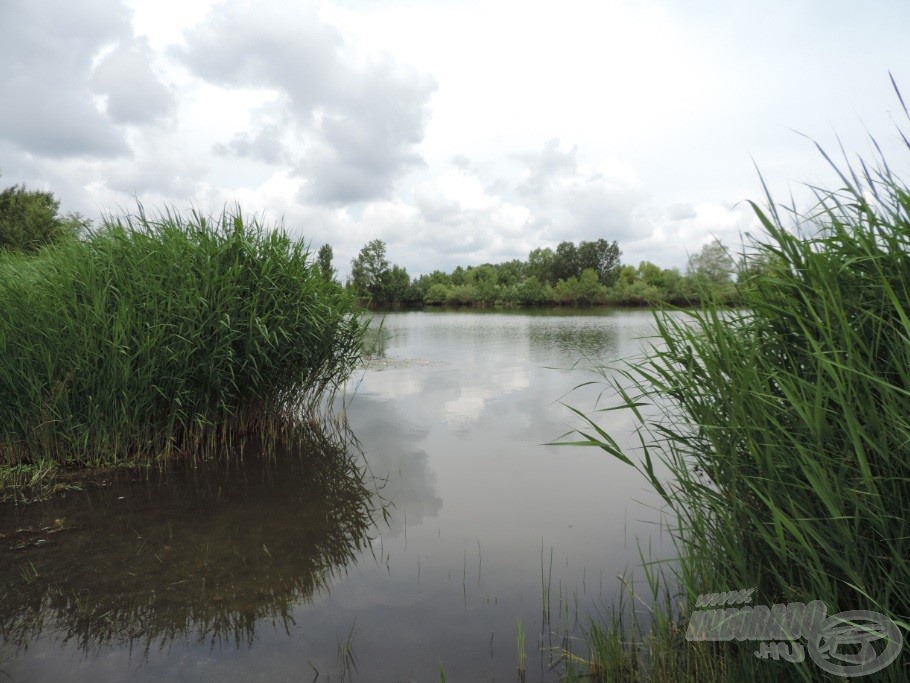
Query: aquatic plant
159, 334
785, 427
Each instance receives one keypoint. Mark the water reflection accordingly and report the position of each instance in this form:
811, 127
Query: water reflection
207, 553
398, 459
579, 338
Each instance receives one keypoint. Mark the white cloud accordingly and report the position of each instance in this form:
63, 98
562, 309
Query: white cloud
458, 132
353, 122
46, 98
133, 93
468, 406
681, 211
672, 240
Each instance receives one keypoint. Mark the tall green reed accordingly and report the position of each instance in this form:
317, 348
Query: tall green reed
785, 426
158, 334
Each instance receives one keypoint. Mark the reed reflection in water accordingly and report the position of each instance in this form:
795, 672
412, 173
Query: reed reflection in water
210, 551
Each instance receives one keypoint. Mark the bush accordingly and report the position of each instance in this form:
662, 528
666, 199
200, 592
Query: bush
152, 335
29, 220
461, 295
640, 294
437, 294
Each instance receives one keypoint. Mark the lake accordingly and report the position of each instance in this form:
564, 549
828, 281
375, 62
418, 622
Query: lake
461, 524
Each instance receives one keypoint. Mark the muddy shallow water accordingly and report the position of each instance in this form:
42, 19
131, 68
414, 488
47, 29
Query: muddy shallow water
458, 524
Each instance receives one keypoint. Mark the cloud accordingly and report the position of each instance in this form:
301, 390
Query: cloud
475, 212
133, 92
264, 145
669, 241
453, 219
547, 167
47, 51
472, 399
681, 212
461, 161
163, 179
355, 121
580, 201
296, 110
468, 214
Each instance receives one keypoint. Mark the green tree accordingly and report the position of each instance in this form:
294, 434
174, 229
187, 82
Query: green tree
437, 277
324, 260
458, 276
484, 274
565, 262
673, 286
461, 294
369, 270
423, 283
627, 276
29, 219
510, 272
530, 292
603, 257
413, 294
540, 265
589, 290
395, 285
651, 274
713, 264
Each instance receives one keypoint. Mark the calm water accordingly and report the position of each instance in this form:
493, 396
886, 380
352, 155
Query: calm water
463, 524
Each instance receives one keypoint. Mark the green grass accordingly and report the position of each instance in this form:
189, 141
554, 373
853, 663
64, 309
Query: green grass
785, 426
157, 335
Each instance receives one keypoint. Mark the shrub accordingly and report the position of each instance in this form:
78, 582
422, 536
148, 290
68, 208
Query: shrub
29, 220
461, 295
437, 294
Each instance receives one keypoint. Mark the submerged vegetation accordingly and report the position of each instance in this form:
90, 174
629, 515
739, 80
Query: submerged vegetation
785, 427
151, 336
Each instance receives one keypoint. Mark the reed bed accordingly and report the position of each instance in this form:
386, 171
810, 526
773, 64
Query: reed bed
785, 426
163, 334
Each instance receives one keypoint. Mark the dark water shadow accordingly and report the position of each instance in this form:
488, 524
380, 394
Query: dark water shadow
207, 552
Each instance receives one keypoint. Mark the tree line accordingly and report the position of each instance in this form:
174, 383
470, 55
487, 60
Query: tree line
589, 273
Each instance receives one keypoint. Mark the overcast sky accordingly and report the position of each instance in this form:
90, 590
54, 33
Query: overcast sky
459, 132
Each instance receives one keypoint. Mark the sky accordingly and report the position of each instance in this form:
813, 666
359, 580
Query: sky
458, 132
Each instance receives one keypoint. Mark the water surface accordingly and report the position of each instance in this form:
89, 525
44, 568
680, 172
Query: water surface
461, 524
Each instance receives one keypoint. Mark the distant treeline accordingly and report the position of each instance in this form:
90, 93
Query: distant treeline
586, 274
583, 274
